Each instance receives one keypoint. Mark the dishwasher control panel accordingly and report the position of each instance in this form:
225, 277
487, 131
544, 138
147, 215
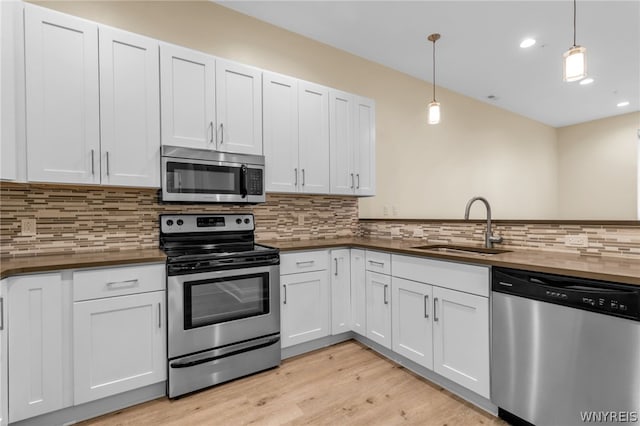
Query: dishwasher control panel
616, 299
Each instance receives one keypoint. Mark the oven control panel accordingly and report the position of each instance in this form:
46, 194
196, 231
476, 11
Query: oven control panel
184, 223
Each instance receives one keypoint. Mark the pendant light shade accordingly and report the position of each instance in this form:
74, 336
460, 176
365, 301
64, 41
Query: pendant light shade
574, 60
434, 112
575, 64
434, 107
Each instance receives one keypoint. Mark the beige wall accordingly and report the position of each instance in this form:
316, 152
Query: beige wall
422, 171
598, 175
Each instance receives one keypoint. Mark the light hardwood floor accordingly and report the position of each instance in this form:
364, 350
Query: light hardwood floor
345, 384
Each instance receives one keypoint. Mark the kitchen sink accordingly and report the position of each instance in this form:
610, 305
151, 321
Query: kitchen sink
451, 248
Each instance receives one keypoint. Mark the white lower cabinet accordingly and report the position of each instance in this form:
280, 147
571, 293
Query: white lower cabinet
358, 292
378, 297
461, 338
4, 368
305, 309
119, 344
340, 291
35, 324
412, 320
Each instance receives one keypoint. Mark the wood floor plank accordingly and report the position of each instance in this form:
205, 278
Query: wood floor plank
345, 384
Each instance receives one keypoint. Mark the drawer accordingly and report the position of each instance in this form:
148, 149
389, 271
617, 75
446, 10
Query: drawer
304, 261
377, 261
456, 276
118, 281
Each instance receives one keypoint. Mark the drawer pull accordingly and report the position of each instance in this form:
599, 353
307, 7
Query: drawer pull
380, 264
305, 262
117, 285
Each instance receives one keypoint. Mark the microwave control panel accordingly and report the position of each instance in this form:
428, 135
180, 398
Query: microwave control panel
254, 182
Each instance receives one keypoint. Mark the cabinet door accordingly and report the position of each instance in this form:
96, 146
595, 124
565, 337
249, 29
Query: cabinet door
365, 146
341, 143
239, 107
379, 308
187, 97
129, 109
63, 137
280, 97
4, 406
305, 307
461, 338
314, 138
340, 291
358, 293
119, 344
411, 314
35, 345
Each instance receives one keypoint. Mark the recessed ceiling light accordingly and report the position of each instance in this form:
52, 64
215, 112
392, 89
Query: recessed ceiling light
586, 81
527, 42
623, 104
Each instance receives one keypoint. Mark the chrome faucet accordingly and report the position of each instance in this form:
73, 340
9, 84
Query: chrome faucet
488, 238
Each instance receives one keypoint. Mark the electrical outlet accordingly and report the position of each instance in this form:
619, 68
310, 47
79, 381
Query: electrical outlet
394, 211
579, 240
385, 210
300, 219
418, 232
28, 227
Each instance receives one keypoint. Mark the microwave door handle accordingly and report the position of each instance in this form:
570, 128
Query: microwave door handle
243, 181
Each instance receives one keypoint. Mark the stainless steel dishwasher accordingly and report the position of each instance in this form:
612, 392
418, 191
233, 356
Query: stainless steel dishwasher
565, 351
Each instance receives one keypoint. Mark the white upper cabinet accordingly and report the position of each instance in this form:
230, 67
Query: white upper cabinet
341, 109
280, 102
238, 107
187, 97
129, 108
62, 104
314, 138
365, 146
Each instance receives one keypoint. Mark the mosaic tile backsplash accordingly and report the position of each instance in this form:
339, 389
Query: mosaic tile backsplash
91, 218
83, 218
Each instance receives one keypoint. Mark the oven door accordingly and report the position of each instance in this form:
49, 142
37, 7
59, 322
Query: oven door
211, 309
189, 180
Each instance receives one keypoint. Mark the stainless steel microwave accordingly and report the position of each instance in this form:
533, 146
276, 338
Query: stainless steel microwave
205, 176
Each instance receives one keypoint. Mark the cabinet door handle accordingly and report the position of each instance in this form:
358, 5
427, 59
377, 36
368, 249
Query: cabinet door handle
386, 300
159, 315
435, 307
116, 285
212, 131
107, 163
93, 171
352, 181
426, 304
335, 259
221, 133
1, 313
303, 177
285, 294
358, 180
295, 174
380, 264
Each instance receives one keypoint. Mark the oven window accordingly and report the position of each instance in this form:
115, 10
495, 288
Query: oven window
219, 300
202, 178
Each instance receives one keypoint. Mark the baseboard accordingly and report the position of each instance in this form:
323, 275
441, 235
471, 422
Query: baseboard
77, 413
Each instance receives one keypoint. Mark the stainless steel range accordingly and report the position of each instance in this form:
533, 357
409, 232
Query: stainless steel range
223, 300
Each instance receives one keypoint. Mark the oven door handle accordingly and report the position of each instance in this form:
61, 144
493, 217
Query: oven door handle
225, 352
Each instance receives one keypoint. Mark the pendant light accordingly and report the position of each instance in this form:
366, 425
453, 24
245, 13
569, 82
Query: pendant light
575, 59
434, 106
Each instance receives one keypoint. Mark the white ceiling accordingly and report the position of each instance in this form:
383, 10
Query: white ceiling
479, 54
